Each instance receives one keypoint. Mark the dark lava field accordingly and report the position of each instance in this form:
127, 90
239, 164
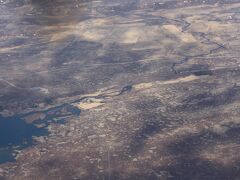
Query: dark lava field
120, 89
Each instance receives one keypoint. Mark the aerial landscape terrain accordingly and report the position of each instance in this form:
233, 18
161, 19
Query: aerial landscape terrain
120, 89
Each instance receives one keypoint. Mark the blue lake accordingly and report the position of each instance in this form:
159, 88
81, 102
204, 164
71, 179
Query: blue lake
17, 134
